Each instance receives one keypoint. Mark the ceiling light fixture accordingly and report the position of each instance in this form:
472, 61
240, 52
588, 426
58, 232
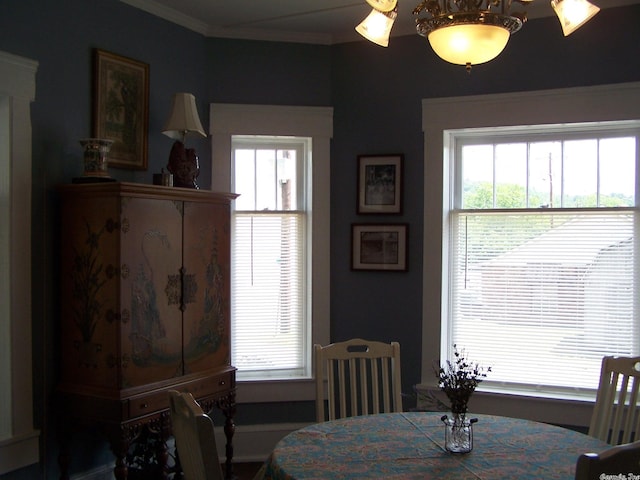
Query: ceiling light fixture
377, 26
468, 32
383, 5
573, 13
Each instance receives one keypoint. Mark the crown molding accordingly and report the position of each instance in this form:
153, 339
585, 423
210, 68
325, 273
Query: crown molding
170, 14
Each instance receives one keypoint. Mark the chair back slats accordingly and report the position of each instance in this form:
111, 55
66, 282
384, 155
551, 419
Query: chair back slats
625, 417
363, 377
364, 387
616, 415
331, 393
353, 383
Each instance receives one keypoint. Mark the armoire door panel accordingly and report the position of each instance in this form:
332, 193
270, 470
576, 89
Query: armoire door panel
151, 290
206, 263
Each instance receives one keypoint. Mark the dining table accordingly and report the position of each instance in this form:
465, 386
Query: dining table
411, 445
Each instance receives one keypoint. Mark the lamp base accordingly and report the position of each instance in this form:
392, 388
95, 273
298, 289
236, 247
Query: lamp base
184, 165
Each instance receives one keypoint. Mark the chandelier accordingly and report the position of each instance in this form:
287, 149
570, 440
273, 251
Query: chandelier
468, 32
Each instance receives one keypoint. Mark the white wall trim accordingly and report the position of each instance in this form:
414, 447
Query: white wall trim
155, 8
104, 472
558, 412
19, 444
170, 14
254, 443
251, 443
604, 103
226, 120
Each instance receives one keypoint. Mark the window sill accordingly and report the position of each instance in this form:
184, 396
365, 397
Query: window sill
574, 411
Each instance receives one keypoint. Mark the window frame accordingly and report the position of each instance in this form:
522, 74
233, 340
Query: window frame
227, 120
541, 133
20, 447
302, 146
442, 116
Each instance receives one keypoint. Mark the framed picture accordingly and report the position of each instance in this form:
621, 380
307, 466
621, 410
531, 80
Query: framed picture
380, 183
379, 247
121, 108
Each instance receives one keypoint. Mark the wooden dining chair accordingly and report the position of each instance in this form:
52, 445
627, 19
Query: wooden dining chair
616, 414
194, 435
618, 462
362, 377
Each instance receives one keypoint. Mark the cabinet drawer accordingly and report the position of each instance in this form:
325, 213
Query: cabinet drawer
201, 388
148, 403
210, 386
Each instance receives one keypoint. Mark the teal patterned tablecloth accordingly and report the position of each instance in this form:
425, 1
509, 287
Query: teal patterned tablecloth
411, 446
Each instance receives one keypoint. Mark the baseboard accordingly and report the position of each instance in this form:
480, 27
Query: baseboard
251, 443
104, 472
254, 443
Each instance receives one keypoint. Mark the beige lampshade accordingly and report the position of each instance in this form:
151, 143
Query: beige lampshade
573, 13
184, 118
469, 44
377, 26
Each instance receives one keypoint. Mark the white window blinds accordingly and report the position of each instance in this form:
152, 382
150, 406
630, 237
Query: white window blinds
543, 270
270, 320
542, 296
268, 286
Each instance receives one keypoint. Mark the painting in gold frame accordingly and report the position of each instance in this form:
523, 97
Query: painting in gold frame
121, 108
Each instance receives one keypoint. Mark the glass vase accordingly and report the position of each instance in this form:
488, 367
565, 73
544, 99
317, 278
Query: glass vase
458, 433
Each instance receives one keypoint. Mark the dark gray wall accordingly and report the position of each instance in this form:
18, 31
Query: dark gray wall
376, 94
60, 35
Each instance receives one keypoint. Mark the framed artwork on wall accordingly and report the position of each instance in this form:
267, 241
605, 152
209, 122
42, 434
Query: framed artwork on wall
379, 247
121, 108
380, 184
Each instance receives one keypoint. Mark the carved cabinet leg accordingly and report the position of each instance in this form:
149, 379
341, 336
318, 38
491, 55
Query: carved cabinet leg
162, 452
64, 458
63, 463
228, 407
120, 446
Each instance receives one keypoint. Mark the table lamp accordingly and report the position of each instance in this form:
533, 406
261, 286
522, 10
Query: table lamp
183, 121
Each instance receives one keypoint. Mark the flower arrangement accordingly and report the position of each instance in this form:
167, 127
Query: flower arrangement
459, 379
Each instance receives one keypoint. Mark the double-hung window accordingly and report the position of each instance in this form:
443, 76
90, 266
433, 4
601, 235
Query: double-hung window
277, 159
539, 269
270, 315
543, 273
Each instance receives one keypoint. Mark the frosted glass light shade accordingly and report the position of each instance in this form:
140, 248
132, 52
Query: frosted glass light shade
377, 27
184, 118
469, 43
573, 13
383, 5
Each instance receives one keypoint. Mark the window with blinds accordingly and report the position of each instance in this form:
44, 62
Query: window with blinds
269, 312
543, 278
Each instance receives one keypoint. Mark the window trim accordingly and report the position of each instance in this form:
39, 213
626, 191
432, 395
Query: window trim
226, 120
302, 146
441, 115
18, 88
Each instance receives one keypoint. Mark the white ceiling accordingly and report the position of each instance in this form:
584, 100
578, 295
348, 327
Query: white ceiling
305, 21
